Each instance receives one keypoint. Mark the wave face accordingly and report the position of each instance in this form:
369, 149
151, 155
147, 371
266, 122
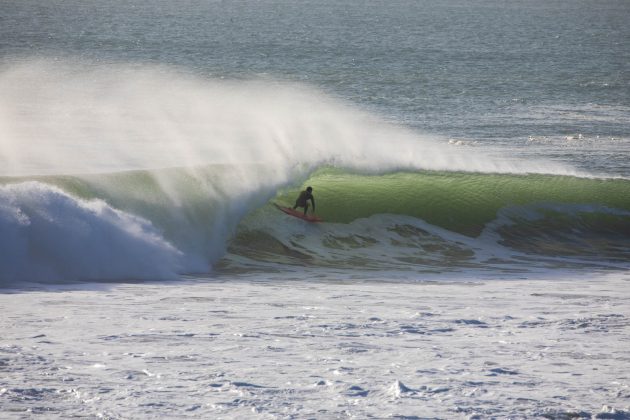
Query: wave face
114, 172
443, 221
458, 201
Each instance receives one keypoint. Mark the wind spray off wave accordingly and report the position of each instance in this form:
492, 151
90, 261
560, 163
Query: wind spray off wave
75, 118
231, 145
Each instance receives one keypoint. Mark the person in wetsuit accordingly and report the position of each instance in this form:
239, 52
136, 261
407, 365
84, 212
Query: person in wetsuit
303, 198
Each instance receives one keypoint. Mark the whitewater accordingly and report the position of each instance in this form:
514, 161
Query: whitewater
469, 160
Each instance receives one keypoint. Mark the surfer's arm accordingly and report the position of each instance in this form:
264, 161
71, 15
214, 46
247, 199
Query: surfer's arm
313, 201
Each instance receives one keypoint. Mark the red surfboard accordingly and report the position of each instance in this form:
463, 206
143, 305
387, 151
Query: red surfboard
299, 214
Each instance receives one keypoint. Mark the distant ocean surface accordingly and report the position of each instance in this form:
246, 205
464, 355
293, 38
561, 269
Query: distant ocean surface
149, 140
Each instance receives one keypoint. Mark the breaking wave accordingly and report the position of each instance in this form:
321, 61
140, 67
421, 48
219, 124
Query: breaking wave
131, 172
132, 225
443, 221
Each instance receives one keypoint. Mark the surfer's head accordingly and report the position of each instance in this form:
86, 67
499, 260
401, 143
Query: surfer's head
309, 189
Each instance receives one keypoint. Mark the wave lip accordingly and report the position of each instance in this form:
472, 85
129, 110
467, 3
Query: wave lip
50, 236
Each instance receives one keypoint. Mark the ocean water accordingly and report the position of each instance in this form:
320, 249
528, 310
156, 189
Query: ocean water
143, 146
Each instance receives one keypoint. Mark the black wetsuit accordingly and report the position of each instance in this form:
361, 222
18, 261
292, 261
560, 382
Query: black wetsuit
302, 200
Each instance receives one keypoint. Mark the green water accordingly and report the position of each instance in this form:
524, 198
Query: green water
461, 202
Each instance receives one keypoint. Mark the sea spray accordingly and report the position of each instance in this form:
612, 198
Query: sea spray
70, 117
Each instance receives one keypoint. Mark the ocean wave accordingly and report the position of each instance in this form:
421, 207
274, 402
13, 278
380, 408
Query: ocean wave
116, 171
458, 201
160, 224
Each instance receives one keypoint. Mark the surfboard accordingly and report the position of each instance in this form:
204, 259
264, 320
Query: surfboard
299, 214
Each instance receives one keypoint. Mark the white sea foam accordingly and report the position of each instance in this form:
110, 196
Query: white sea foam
270, 346
50, 236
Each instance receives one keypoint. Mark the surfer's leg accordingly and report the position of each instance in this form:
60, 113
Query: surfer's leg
305, 208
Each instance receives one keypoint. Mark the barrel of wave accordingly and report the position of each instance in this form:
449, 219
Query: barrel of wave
459, 201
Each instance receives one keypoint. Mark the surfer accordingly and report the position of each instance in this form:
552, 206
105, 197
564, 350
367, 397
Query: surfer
303, 198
